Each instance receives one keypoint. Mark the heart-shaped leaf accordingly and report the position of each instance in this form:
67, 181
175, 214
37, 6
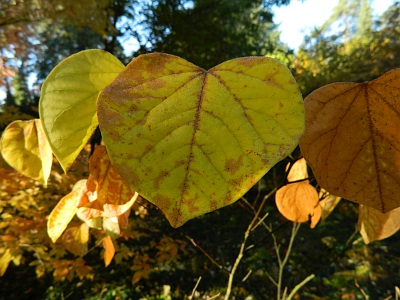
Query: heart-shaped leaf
25, 148
67, 104
191, 141
352, 140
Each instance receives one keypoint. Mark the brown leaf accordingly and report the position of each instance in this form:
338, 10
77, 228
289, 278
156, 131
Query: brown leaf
298, 202
374, 225
106, 194
352, 140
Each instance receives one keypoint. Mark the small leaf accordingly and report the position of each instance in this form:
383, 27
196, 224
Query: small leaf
191, 141
75, 239
328, 203
5, 260
25, 148
106, 193
299, 202
298, 171
64, 211
111, 227
109, 250
352, 140
67, 104
374, 225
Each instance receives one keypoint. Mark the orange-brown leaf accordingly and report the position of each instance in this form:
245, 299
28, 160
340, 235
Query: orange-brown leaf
374, 225
352, 140
298, 202
106, 193
109, 250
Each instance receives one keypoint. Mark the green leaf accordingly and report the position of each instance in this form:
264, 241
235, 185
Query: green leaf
68, 101
191, 141
25, 148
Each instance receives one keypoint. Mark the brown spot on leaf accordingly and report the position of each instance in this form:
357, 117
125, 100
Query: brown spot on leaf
232, 165
160, 177
191, 204
164, 203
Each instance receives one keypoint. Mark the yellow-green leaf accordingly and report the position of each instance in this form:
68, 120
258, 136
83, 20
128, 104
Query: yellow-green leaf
64, 211
68, 101
191, 141
25, 148
352, 140
374, 225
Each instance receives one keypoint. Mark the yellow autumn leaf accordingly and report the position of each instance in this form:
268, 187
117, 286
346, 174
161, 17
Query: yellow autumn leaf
109, 250
352, 140
374, 225
299, 202
298, 171
106, 193
191, 141
68, 97
24, 147
64, 211
5, 259
75, 239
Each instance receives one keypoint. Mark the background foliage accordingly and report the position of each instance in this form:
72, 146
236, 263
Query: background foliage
150, 255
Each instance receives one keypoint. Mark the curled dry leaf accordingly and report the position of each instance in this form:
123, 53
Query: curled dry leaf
352, 140
375, 225
299, 202
64, 211
24, 147
191, 141
106, 193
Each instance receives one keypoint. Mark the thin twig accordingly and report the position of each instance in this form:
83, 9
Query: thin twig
243, 245
34, 250
206, 254
247, 275
295, 229
299, 286
195, 288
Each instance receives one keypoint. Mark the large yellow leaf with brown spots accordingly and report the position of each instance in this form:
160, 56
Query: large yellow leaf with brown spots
352, 140
190, 140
